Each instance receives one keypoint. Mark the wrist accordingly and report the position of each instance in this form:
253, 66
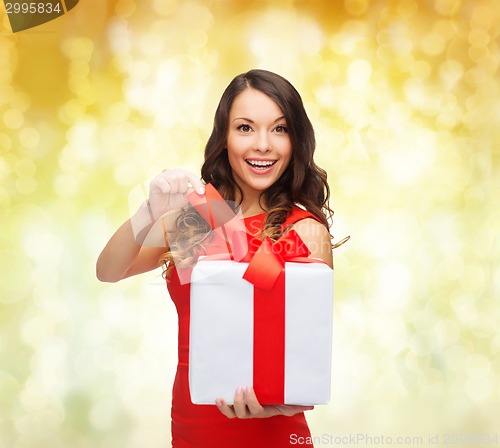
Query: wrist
151, 216
142, 221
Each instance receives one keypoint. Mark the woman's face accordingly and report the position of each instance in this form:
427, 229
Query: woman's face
258, 145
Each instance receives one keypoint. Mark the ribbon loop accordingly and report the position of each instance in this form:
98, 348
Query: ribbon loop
222, 219
269, 261
266, 260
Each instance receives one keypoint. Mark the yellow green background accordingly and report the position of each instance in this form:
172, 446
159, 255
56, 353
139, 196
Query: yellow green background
405, 99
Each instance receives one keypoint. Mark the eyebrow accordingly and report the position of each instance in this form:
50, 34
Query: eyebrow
251, 121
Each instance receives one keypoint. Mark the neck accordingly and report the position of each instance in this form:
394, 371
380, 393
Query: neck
250, 204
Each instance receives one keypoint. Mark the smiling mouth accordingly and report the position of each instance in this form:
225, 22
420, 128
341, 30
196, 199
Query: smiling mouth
260, 164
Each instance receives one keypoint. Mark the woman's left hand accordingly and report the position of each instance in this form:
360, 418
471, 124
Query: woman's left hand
246, 405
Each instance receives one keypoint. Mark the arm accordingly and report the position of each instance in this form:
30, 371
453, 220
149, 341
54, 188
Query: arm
125, 255
317, 238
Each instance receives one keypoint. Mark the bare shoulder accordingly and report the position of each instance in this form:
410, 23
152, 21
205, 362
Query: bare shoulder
317, 238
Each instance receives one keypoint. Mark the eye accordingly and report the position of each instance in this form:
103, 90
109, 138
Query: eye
281, 128
244, 128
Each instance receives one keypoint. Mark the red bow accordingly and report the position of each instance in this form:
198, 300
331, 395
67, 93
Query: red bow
269, 259
266, 260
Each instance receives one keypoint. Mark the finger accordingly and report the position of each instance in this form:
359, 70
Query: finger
224, 408
159, 183
196, 183
290, 410
179, 180
252, 402
306, 408
239, 405
173, 181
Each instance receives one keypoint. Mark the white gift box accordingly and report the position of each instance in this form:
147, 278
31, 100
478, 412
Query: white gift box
222, 332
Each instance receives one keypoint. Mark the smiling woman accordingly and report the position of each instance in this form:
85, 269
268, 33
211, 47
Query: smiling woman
271, 100
260, 155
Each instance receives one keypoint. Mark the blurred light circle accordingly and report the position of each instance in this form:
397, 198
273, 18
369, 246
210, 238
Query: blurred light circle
29, 137
13, 118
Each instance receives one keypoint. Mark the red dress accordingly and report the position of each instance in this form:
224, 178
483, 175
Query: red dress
203, 426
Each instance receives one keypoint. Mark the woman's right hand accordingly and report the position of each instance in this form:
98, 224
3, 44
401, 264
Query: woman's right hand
168, 190
138, 244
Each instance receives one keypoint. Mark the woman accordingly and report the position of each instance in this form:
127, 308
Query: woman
259, 155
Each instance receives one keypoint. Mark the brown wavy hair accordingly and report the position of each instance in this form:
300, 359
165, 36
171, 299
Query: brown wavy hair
303, 182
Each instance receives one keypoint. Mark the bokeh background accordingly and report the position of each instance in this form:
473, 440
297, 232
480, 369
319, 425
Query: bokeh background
405, 99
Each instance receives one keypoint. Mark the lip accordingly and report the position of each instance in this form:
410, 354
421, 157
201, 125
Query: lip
259, 171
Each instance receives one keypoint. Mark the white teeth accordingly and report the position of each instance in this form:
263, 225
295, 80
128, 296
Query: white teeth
261, 162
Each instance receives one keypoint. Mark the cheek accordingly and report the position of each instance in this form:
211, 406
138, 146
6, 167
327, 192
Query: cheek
233, 155
287, 155
287, 163
286, 149
233, 147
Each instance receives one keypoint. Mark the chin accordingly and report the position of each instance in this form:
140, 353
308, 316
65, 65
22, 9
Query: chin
261, 186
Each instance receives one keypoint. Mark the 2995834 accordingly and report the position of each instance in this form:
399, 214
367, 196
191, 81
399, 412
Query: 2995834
34, 8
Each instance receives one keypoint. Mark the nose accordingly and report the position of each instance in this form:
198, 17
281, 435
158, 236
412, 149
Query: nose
262, 142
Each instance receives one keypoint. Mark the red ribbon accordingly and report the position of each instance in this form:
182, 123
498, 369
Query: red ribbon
269, 260
266, 271
222, 219
266, 260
